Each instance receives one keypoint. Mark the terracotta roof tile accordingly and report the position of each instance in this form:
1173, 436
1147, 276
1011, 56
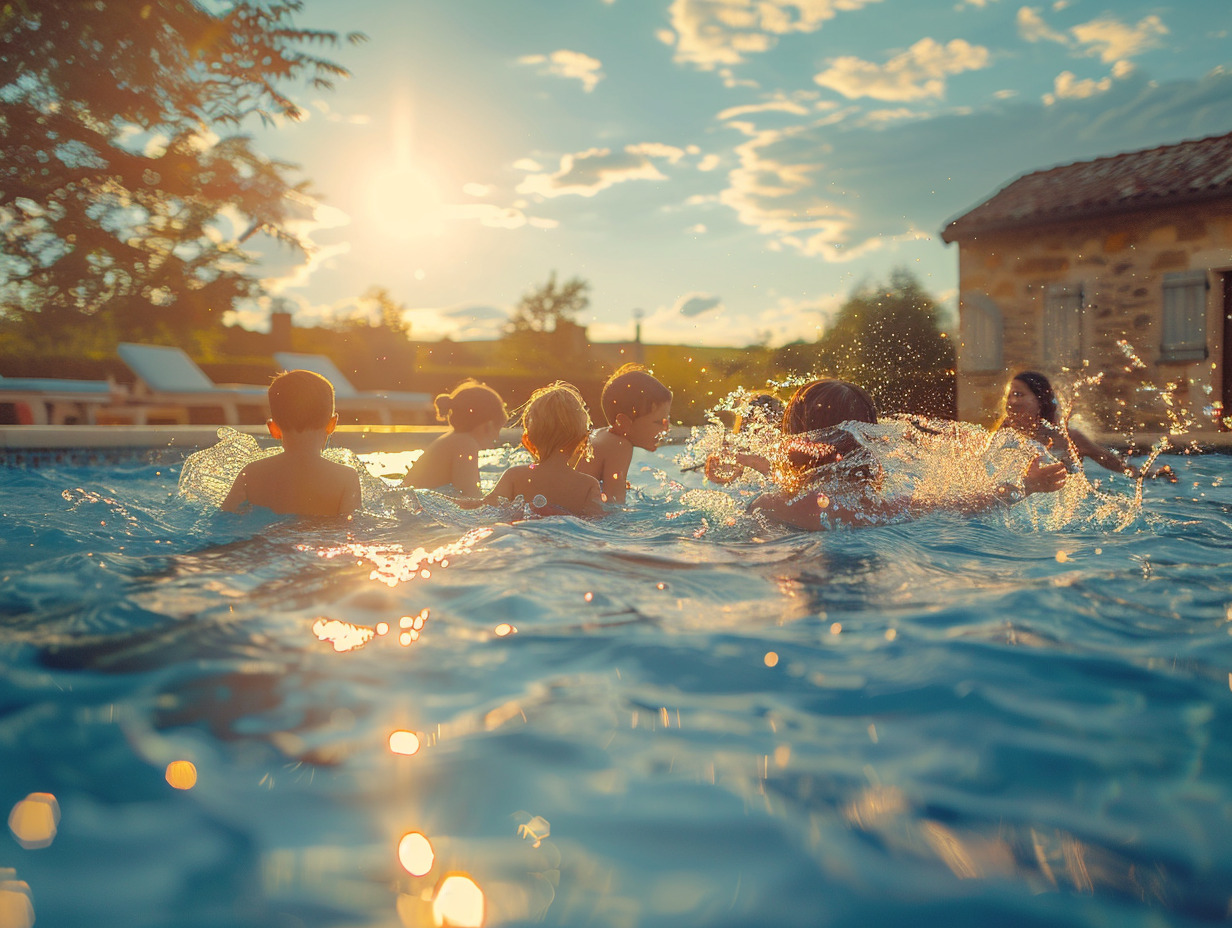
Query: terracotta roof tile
1199, 169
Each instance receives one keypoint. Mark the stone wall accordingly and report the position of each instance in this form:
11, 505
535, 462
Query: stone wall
1119, 262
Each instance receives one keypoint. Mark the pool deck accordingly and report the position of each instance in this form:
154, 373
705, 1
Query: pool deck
375, 438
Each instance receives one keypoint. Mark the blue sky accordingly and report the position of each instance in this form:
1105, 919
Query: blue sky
732, 169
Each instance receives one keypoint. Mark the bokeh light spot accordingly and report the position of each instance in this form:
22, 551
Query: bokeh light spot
404, 742
415, 853
771, 659
182, 774
459, 903
505, 629
34, 820
16, 908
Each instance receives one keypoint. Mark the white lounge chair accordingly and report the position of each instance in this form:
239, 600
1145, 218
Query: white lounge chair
349, 399
53, 402
169, 377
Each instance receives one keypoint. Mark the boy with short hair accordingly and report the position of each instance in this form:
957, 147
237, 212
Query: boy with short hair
636, 407
299, 481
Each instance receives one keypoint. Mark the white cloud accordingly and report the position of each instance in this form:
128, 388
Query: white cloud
589, 172
915, 74
1112, 40
1105, 38
781, 106
716, 33
709, 163
694, 304
527, 164
476, 190
976, 3
1068, 87
1032, 28
699, 229
487, 214
565, 63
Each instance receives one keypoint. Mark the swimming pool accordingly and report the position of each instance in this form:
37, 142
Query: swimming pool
671, 717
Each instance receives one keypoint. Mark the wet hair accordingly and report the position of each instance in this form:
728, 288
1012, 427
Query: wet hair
815, 412
555, 421
301, 400
1038, 384
761, 406
823, 404
470, 404
632, 391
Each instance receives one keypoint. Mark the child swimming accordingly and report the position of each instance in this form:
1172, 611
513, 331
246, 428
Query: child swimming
475, 414
555, 427
636, 407
828, 479
760, 413
298, 481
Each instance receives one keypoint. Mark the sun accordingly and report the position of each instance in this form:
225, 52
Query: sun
405, 202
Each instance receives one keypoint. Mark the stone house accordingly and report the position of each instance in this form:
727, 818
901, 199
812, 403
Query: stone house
1120, 266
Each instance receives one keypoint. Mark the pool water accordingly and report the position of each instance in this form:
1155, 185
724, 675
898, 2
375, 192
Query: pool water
673, 716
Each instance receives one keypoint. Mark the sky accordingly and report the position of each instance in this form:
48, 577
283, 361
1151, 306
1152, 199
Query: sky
726, 171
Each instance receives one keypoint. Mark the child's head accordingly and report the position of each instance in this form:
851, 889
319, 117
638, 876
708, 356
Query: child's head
817, 407
301, 401
759, 408
1041, 389
637, 404
555, 421
470, 405
823, 404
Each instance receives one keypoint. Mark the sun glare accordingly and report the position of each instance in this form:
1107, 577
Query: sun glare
406, 202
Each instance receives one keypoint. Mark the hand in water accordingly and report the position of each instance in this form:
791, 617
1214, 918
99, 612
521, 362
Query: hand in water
1043, 478
1164, 471
720, 471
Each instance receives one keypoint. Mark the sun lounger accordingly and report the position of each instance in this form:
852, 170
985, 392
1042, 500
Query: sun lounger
169, 377
349, 399
53, 402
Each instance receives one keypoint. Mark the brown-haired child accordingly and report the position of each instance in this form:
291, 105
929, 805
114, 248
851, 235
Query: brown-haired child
475, 414
636, 407
298, 481
555, 426
827, 480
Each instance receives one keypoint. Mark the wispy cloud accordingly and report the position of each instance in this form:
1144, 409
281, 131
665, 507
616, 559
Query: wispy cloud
588, 172
1106, 38
565, 63
1068, 87
710, 34
918, 73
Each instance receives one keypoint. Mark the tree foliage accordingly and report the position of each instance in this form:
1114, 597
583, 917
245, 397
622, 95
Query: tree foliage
542, 307
889, 339
126, 192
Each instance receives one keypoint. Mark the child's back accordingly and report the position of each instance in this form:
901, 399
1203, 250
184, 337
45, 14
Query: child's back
554, 428
298, 481
302, 485
475, 413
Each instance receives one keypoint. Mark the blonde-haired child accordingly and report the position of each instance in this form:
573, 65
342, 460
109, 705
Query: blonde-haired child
555, 427
476, 414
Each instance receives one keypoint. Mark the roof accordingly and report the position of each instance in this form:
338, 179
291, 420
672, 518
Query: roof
1193, 171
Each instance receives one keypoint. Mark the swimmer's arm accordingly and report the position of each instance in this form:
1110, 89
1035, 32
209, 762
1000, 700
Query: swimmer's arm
238, 494
1036, 478
593, 504
614, 478
1100, 455
502, 490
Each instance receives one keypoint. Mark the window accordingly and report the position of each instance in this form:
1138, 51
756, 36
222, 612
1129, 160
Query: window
982, 328
1062, 325
1184, 317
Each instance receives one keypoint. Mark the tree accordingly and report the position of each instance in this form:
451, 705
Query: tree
125, 191
888, 339
541, 308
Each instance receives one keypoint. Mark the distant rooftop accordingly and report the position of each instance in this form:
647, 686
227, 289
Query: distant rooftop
1193, 171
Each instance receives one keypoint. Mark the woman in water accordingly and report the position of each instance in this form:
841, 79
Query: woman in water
1031, 409
829, 478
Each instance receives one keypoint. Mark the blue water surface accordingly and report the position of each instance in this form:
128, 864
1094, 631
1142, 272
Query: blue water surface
673, 716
